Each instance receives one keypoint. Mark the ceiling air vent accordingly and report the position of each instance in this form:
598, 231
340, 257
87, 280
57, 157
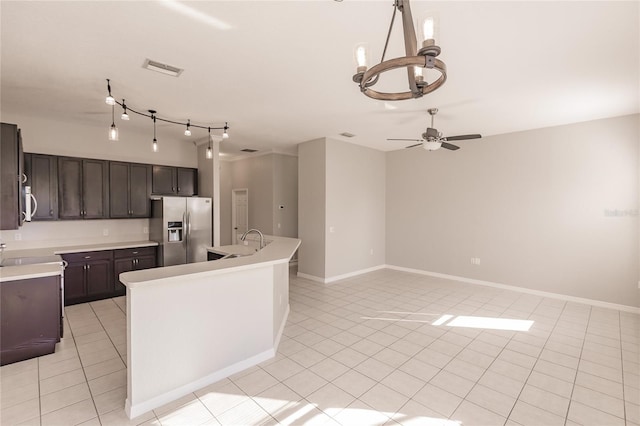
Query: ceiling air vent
162, 68
249, 150
347, 134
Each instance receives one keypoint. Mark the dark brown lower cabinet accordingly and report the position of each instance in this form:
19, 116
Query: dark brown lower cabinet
88, 276
126, 260
95, 275
31, 318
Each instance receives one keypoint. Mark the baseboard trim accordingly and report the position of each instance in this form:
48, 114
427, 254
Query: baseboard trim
140, 408
593, 302
340, 277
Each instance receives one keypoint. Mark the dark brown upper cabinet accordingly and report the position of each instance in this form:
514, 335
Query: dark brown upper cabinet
129, 190
83, 188
42, 176
11, 174
169, 180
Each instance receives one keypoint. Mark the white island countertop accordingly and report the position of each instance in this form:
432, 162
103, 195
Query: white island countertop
278, 250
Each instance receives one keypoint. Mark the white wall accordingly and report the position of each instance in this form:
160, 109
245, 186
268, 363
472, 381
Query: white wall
341, 208
533, 206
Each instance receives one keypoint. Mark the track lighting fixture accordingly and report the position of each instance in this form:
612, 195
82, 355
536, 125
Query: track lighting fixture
110, 100
124, 115
210, 148
154, 145
113, 130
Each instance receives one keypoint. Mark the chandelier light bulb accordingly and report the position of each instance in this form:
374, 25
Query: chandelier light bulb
417, 71
109, 100
187, 132
155, 145
429, 28
362, 57
209, 153
225, 135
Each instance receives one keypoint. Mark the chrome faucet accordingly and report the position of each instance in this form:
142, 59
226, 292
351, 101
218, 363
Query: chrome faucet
244, 237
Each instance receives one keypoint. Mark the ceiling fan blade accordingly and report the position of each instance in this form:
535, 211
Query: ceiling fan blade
449, 146
414, 145
461, 137
410, 140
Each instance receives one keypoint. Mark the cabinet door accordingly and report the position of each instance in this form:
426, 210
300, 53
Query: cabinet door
164, 180
139, 190
119, 190
10, 212
69, 188
42, 176
120, 266
95, 183
74, 283
99, 278
187, 182
145, 262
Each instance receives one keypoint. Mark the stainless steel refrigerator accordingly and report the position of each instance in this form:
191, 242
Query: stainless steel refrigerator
182, 228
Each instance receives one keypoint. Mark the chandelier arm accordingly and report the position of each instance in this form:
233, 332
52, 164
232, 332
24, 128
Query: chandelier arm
386, 43
410, 43
403, 62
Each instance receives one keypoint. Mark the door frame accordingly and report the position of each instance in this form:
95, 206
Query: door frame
234, 226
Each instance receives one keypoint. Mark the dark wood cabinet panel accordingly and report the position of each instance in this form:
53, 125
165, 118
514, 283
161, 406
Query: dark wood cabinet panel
83, 188
164, 180
99, 278
42, 176
95, 184
169, 180
187, 182
88, 276
74, 283
69, 188
134, 259
10, 175
129, 190
140, 190
120, 266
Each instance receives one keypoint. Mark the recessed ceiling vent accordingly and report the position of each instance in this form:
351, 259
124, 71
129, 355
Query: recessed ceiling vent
347, 134
249, 150
162, 68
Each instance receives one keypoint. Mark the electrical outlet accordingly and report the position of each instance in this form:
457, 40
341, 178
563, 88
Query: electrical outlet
279, 226
281, 299
477, 260
105, 232
145, 230
371, 252
332, 229
17, 236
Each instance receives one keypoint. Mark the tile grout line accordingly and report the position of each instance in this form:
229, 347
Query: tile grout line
624, 404
584, 339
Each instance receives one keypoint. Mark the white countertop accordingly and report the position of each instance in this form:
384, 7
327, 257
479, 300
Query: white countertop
236, 249
12, 273
279, 250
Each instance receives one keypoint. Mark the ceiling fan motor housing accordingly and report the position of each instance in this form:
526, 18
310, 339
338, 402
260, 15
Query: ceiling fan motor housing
430, 134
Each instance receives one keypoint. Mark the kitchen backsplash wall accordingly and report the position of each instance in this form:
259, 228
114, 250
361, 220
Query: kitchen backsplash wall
75, 232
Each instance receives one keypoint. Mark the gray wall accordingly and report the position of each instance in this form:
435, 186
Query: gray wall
534, 206
285, 193
341, 208
355, 208
311, 207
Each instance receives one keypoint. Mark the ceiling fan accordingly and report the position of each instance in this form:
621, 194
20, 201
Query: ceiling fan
432, 139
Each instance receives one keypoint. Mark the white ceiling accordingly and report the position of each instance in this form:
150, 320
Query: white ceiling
280, 71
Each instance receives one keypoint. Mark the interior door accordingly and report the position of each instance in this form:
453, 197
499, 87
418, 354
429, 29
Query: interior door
239, 213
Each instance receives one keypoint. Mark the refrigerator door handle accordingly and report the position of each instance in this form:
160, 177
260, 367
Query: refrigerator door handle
189, 222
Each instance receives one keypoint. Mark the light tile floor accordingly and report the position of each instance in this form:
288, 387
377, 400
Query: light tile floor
366, 351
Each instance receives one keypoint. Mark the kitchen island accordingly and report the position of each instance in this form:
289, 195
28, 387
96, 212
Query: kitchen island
191, 325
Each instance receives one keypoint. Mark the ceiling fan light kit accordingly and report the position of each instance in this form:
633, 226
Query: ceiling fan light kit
432, 139
415, 60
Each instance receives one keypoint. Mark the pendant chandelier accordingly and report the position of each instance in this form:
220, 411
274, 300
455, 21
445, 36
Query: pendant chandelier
415, 61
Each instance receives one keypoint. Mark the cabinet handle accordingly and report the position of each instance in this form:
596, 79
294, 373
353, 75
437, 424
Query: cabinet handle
88, 267
50, 212
178, 189
173, 188
135, 252
87, 257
